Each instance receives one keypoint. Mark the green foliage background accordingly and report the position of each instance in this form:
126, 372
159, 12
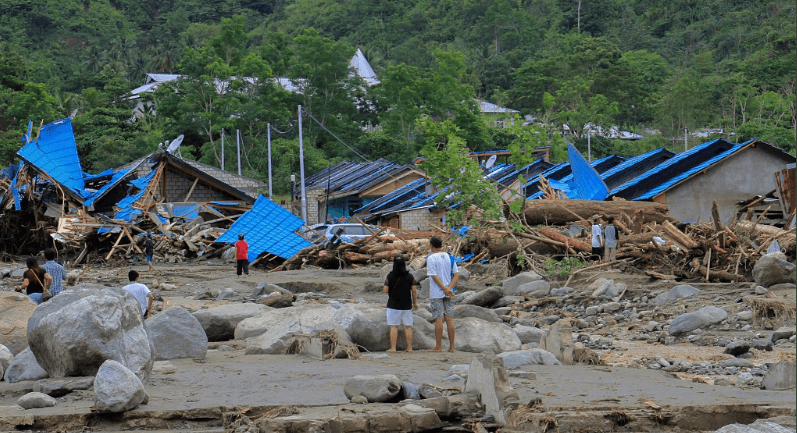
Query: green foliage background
637, 64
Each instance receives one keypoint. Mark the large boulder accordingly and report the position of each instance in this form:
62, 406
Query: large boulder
510, 284
78, 330
477, 335
488, 377
675, 294
773, 269
219, 322
376, 389
15, 310
532, 289
529, 334
484, 298
36, 400
703, 317
780, 376
176, 333
117, 389
266, 288
462, 311
5, 358
518, 358
306, 315
367, 327
24, 367
559, 341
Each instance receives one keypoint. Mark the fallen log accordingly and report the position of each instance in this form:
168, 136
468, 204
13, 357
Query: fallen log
573, 243
551, 212
678, 236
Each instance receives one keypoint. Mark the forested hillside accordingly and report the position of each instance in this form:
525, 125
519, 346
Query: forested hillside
641, 65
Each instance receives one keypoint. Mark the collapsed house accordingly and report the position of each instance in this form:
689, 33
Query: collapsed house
186, 205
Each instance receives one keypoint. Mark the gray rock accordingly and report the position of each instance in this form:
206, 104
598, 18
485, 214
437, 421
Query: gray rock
782, 286
18, 273
781, 376
176, 333
735, 362
549, 320
773, 269
419, 275
701, 318
35, 400
510, 284
759, 426
518, 358
506, 301
561, 291
533, 289
761, 344
488, 378
745, 316
266, 288
24, 367
760, 290
367, 327
675, 294
219, 322
410, 390
225, 293
737, 347
375, 388
76, 331
276, 300
5, 358
61, 387
163, 367
484, 298
559, 341
608, 289
592, 310
117, 389
462, 311
276, 340
784, 332
15, 309
529, 334
428, 391
476, 335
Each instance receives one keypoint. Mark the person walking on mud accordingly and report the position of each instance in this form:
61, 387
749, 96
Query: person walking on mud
149, 251
242, 256
443, 274
402, 300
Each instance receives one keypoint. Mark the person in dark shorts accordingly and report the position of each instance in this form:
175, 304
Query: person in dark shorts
597, 239
402, 300
149, 250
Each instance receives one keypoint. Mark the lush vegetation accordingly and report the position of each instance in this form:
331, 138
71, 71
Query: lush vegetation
637, 64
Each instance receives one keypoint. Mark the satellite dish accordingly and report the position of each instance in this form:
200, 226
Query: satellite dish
490, 162
175, 144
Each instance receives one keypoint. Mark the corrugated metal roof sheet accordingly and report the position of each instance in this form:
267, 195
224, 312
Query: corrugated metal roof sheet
673, 167
588, 183
55, 153
269, 228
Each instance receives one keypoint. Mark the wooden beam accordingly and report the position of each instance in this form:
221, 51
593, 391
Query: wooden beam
191, 191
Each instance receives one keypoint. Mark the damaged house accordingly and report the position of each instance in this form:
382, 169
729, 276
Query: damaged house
185, 204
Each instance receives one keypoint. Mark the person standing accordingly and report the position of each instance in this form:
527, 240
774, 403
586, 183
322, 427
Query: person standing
36, 282
597, 239
139, 291
56, 271
443, 275
149, 250
402, 300
611, 236
242, 256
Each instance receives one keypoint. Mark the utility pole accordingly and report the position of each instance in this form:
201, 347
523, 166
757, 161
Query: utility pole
222, 149
686, 139
301, 168
589, 144
238, 142
268, 129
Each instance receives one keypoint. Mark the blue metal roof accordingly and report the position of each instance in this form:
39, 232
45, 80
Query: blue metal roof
268, 228
55, 152
589, 185
115, 179
127, 212
673, 167
689, 173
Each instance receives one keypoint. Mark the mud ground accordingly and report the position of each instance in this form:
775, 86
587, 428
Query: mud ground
225, 379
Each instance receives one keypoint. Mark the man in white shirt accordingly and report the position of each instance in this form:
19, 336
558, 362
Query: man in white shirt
140, 292
597, 239
443, 275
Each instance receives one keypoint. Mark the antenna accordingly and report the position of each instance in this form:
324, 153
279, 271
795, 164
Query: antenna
175, 144
490, 162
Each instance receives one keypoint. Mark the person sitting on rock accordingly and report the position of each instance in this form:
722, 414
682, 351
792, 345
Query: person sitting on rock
139, 291
402, 300
36, 281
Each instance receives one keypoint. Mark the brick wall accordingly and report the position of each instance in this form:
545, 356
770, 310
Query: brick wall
420, 219
178, 185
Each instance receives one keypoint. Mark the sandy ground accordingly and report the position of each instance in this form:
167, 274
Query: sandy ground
230, 378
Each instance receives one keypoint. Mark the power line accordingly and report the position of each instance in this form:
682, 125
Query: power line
356, 152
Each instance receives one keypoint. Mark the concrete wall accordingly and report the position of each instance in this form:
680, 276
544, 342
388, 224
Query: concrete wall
420, 219
740, 177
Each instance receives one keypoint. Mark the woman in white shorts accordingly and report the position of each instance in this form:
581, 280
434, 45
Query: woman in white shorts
402, 300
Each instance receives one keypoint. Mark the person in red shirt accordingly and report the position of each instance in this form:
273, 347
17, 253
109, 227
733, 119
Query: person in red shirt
242, 256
